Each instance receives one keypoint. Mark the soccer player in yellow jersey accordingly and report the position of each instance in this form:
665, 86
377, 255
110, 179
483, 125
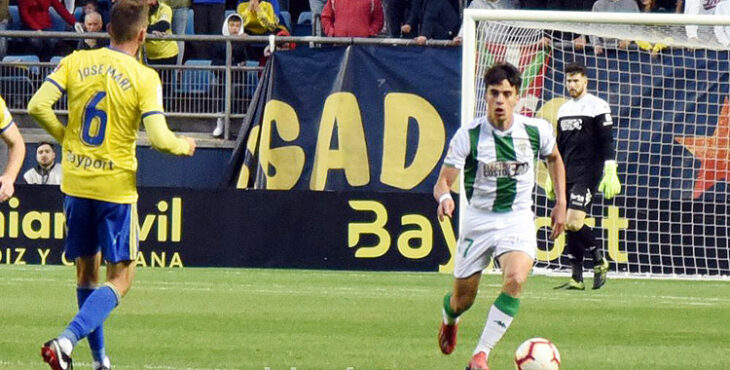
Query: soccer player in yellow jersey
16, 152
109, 94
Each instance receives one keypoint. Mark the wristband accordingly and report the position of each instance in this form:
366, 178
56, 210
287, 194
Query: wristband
444, 197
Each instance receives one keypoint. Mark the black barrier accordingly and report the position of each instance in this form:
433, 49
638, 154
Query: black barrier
238, 228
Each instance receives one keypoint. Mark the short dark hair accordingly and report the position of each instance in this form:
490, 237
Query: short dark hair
503, 71
234, 18
576, 68
41, 143
128, 17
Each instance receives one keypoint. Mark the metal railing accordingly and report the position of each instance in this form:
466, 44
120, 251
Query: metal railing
195, 91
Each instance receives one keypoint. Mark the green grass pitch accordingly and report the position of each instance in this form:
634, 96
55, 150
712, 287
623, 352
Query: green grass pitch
283, 319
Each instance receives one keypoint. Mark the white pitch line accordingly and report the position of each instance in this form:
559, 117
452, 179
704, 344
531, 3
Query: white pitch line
281, 289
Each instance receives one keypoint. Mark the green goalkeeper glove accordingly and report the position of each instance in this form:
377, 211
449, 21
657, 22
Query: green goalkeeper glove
549, 189
610, 186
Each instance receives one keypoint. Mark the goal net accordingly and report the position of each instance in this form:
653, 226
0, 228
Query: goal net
669, 96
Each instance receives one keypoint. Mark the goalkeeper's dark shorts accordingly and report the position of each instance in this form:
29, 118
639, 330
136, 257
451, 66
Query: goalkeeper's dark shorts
580, 197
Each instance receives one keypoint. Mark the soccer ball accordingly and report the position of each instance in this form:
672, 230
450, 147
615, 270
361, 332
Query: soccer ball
537, 354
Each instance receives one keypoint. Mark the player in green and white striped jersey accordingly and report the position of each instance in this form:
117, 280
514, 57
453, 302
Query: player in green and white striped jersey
497, 154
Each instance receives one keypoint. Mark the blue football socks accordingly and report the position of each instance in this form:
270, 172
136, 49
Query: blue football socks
96, 338
96, 308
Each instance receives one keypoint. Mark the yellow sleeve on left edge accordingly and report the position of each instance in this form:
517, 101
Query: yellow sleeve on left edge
40, 108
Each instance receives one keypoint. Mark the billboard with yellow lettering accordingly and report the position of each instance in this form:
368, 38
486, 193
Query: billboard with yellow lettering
356, 118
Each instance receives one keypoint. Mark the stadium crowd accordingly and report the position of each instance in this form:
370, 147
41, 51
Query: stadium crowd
420, 20
417, 19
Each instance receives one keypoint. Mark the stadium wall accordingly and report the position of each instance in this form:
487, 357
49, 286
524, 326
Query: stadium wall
204, 170
233, 228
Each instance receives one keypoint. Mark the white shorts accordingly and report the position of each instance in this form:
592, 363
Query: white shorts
485, 235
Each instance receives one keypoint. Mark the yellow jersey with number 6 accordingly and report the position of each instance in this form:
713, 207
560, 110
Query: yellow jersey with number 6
109, 92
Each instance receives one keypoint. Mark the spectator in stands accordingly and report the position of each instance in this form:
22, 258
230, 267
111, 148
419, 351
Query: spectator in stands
208, 15
722, 33
258, 17
92, 23
70, 5
47, 172
280, 46
91, 6
180, 11
35, 15
160, 52
4, 21
578, 41
396, 13
660, 6
650, 6
488, 4
707, 7
613, 6
316, 6
233, 26
432, 19
94, 6
352, 18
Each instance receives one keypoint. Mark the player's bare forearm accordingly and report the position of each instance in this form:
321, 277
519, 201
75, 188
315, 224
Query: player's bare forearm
16, 154
16, 151
556, 168
442, 191
40, 108
446, 179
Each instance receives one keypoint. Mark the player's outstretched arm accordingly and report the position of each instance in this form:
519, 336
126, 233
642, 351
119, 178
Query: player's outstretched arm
164, 140
16, 155
40, 108
557, 174
442, 191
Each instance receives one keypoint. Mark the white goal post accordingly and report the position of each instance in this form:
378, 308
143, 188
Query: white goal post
669, 94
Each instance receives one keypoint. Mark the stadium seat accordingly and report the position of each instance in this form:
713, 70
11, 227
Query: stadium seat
55, 60
16, 83
15, 23
304, 25
190, 26
228, 12
24, 59
286, 19
305, 17
196, 81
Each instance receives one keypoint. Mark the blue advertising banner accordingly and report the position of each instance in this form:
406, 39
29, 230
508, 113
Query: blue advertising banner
249, 228
355, 118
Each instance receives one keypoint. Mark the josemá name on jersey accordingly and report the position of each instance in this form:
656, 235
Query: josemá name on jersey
101, 69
